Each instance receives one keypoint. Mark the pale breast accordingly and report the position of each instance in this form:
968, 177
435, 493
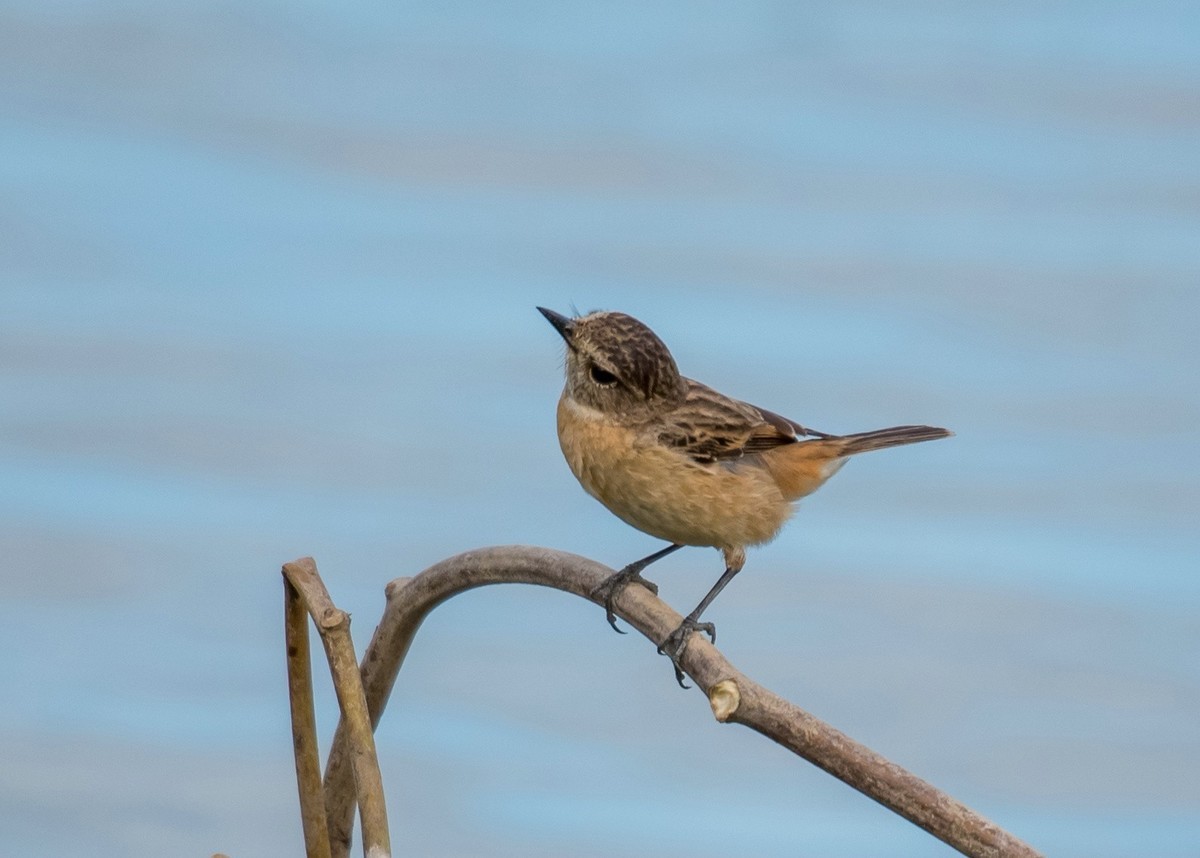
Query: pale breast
664, 492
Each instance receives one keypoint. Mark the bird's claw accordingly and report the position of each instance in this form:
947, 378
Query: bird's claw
676, 643
610, 588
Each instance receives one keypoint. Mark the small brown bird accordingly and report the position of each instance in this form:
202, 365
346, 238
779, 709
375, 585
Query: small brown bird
682, 462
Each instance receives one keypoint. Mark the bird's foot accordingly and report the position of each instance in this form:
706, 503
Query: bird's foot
677, 641
611, 587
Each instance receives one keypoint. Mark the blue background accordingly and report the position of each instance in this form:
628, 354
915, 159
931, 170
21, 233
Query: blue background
268, 273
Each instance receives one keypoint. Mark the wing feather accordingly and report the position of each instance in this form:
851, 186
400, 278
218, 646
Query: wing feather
708, 426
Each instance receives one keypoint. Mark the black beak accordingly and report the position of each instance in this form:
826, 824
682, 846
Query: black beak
564, 325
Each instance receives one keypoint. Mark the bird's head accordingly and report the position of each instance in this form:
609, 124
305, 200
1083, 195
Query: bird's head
616, 364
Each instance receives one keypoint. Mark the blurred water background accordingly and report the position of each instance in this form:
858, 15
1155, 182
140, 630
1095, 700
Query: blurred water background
268, 279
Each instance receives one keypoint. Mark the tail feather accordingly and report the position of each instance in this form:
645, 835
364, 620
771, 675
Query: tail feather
881, 439
800, 469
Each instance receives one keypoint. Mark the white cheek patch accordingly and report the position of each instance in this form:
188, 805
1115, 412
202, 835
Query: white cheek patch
584, 412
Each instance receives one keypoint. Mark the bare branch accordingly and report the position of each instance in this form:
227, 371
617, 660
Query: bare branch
359, 742
733, 696
304, 724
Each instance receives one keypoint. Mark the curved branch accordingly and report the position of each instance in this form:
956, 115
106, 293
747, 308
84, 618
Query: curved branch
733, 697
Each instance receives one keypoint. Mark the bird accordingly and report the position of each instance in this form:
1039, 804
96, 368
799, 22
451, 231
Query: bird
681, 462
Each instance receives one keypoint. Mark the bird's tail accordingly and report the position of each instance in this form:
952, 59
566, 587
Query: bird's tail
800, 469
880, 439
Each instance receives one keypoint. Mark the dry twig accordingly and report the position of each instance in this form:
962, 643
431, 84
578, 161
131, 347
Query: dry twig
304, 724
358, 742
733, 697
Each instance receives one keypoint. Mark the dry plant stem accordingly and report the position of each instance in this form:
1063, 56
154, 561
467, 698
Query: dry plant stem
304, 724
872, 775
411, 599
334, 627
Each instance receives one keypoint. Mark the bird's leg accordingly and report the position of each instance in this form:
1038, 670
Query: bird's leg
611, 586
676, 642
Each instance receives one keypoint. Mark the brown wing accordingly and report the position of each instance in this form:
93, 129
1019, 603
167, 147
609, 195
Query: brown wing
709, 426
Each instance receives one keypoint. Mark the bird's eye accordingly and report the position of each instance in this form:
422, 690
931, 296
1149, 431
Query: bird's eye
603, 377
